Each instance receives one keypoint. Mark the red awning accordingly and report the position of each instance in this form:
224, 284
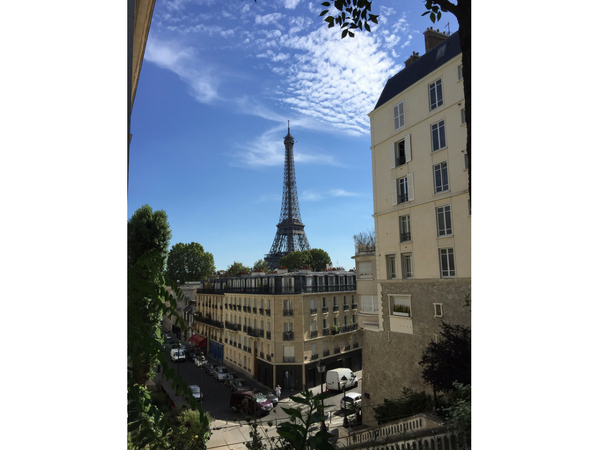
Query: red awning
200, 341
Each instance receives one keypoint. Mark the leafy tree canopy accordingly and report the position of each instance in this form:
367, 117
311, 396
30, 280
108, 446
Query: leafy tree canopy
316, 259
147, 230
237, 268
189, 262
261, 264
448, 360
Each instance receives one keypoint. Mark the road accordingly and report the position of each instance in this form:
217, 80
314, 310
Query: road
216, 396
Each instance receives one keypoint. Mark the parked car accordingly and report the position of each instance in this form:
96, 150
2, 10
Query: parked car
239, 384
249, 403
220, 373
270, 396
209, 368
349, 399
229, 377
177, 355
196, 392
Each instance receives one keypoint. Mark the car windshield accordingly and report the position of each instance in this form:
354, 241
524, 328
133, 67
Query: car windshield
261, 398
195, 389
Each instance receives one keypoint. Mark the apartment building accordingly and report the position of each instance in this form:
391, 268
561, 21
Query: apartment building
419, 272
276, 327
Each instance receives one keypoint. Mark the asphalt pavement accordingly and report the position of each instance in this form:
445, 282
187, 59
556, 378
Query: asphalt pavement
229, 429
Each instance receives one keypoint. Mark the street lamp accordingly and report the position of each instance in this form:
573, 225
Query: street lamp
344, 379
321, 369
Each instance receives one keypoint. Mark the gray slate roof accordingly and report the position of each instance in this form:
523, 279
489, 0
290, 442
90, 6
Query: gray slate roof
419, 69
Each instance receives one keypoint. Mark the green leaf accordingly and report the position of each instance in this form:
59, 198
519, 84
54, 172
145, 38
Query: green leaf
351, 34
292, 412
323, 13
367, 27
432, 17
326, 4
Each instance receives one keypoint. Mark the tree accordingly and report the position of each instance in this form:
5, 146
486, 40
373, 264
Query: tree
364, 241
353, 15
449, 359
261, 264
189, 262
147, 230
316, 259
319, 259
458, 414
237, 268
409, 403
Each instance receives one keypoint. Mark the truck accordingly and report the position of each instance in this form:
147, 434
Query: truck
177, 355
335, 380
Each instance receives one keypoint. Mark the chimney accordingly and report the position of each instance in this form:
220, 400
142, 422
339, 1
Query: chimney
433, 38
411, 59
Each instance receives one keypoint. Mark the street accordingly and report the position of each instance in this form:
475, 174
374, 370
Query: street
216, 396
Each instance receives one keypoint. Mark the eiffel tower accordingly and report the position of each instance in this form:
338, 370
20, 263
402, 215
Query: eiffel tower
290, 235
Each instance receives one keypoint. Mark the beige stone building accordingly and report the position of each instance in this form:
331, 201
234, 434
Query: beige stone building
419, 272
276, 327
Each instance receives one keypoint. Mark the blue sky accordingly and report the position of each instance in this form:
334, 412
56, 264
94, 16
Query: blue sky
219, 82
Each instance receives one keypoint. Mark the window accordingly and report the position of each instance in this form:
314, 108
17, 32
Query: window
369, 304
435, 95
399, 115
441, 51
466, 157
325, 324
444, 221
438, 136
364, 271
447, 263
288, 326
437, 310
463, 116
407, 270
390, 264
313, 326
400, 152
324, 302
404, 228
400, 305
440, 177
460, 72
404, 189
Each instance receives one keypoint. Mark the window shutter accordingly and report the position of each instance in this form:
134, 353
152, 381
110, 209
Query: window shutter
411, 191
392, 155
396, 118
395, 198
401, 114
407, 151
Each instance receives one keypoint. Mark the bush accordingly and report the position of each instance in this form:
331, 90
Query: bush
410, 402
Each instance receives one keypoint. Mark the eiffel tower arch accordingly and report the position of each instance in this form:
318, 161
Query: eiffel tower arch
290, 235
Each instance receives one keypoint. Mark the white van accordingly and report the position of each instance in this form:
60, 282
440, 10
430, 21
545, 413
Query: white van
177, 355
335, 382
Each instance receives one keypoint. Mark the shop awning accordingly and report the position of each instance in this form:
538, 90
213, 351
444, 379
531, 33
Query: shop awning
200, 341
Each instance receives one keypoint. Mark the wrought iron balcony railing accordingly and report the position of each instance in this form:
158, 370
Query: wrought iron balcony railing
314, 334
325, 331
289, 359
336, 350
314, 356
288, 335
288, 312
325, 353
325, 309
336, 308
313, 311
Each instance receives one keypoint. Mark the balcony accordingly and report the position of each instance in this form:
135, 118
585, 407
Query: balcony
288, 312
254, 310
239, 307
313, 311
239, 345
346, 348
404, 237
325, 353
232, 326
314, 356
355, 345
268, 335
288, 335
262, 355
268, 357
346, 307
336, 308
314, 334
226, 306
268, 312
246, 309
261, 311
325, 331
336, 350
289, 359
325, 309
354, 306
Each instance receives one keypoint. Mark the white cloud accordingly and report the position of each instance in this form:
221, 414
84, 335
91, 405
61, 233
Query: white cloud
291, 4
310, 196
343, 193
180, 61
268, 19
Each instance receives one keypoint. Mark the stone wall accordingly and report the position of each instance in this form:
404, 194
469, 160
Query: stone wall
391, 359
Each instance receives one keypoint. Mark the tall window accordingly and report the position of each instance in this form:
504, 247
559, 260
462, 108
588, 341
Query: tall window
440, 177
435, 95
400, 152
444, 221
404, 228
460, 72
438, 135
463, 116
404, 189
364, 271
447, 263
399, 115
369, 304
390, 264
407, 269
